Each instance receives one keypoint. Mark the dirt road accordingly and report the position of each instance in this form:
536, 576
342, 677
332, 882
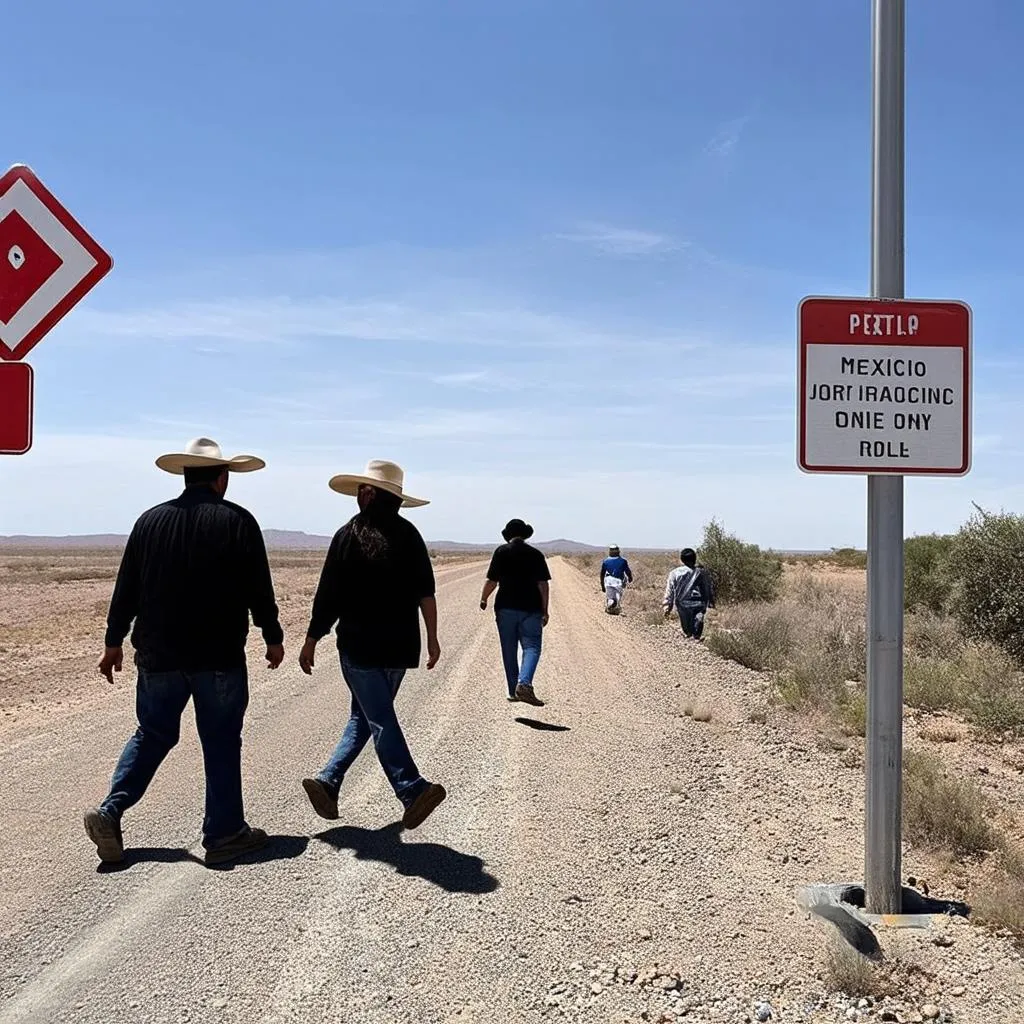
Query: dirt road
604, 858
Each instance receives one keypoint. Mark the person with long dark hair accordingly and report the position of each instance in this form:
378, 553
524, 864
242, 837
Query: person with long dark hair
376, 581
520, 574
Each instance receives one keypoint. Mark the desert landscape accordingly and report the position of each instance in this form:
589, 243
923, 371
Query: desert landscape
630, 852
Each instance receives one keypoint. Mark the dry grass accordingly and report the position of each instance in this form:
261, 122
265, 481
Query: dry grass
942, 812
813, 641
941, 732
849, 973
999, 901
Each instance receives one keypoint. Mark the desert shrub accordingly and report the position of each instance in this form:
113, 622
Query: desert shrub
926, 576
814, 679
932, 683
740, 571
852, 713
985, 564
848, 558
942, 812
994, 689
932, 636
999, 901
851, 974
979, 680
757, 638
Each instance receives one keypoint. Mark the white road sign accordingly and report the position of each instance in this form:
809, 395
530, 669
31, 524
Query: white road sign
884, 387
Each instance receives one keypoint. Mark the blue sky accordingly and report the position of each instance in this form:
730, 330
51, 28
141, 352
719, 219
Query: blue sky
544, 253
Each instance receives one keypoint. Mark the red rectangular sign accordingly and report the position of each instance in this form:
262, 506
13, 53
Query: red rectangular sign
15, 408
885, 386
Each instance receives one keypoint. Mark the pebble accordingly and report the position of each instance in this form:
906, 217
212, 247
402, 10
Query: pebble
958, 991
930, 1011
763, 1012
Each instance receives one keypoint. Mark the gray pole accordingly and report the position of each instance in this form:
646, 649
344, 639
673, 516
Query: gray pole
884, 760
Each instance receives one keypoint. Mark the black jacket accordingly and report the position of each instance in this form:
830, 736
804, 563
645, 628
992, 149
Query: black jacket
192, 571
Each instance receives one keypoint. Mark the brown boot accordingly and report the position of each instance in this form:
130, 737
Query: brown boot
418, 811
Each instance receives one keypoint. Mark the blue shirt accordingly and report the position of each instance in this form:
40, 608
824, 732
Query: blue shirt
617, 567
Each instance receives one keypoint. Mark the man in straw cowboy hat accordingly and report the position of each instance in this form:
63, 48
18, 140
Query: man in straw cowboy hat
192, 571
520, 574
376, 582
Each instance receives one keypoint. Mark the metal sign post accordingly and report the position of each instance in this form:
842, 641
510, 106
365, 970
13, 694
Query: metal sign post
884, 751
885, 390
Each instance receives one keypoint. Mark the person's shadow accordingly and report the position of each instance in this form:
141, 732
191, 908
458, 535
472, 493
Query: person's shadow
278, 848
440, 865
534, 723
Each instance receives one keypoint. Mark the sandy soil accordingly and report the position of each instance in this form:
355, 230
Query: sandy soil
605, 858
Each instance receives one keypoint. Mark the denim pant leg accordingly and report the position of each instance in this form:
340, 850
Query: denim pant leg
160, 698
353, 739
508, 634
531, 633
692, 621
220, 700
375, 690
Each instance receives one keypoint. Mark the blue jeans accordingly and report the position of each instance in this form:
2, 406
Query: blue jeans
220, 700
692, 620
373, 716
517, 628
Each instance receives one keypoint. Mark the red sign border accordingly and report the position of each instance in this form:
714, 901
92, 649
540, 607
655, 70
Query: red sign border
31, 409
894, 306
21, 172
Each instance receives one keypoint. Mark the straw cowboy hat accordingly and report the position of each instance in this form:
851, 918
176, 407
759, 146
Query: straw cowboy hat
202, 452
388, 476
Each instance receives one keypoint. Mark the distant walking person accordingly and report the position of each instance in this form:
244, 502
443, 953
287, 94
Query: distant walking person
615, 574
192, 571
520, 574
376, 582
690, 592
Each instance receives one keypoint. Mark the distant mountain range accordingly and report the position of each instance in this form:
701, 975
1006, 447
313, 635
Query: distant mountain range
278, 540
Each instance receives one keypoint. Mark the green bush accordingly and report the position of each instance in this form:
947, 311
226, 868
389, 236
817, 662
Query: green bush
740, 571
926, 578
985, 563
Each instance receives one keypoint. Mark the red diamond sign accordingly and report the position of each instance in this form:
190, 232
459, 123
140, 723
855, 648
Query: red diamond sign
48, 262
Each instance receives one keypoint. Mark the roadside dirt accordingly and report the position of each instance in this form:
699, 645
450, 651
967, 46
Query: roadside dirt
608, 857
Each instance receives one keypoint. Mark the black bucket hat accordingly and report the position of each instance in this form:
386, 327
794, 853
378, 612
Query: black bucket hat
517, 528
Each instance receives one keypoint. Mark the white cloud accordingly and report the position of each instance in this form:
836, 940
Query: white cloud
725, 140
616, 241
284, 321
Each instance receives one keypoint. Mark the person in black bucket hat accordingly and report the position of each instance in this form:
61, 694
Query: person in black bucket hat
520, 574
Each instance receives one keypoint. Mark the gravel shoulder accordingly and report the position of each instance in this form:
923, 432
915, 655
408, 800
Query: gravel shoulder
605, 858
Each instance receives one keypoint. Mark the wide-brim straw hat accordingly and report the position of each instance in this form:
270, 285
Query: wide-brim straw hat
388, 476
201, 452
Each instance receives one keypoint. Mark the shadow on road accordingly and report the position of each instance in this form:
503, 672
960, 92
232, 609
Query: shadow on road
543, 726
148, 855
279, 848
441, 865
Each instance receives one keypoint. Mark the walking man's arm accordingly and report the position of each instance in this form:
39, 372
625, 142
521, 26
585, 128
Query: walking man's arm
490, 586
124, 606
670, 592
428, 607
545, 593
260, 598
326, 610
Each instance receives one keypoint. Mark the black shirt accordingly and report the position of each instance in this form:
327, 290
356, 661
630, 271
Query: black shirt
191, 572
517, 568
375, 602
